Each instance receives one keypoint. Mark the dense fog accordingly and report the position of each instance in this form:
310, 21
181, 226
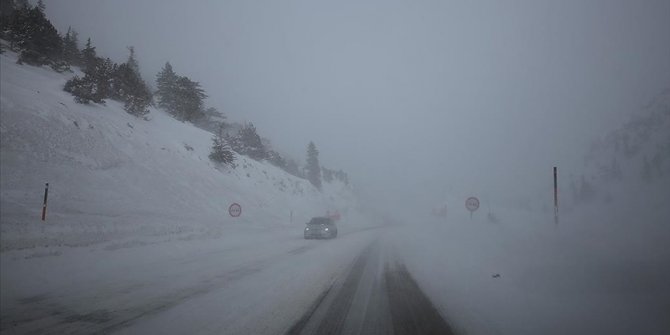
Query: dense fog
428, 97
302, 167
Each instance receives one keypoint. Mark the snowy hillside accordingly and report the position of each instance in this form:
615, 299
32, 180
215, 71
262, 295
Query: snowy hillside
113, 176
632, 160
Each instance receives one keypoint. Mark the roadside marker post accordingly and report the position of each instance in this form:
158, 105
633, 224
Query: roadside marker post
44, 206
555, 195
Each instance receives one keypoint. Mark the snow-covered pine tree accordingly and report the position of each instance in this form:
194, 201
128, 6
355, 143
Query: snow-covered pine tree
132, 61
276, 159
189, 99
251, 143
221, 150
34, 36
96, 85
71, 53
327, 174
89, 57
234, 142
128, 86
312, 167
211, 120
166, 84
342, 176
179, 95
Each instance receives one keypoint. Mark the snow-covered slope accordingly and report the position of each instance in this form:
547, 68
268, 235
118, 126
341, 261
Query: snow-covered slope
113, 176
632, 161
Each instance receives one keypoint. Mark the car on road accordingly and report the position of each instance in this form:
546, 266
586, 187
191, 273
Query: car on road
320, 227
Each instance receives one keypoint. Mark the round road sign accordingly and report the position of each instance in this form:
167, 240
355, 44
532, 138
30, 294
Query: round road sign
235, 210
472, 204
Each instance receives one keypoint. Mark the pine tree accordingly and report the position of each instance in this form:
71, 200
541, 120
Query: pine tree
124, 82
22, 4
132, 61
102, 74
88, 55
179, 95
276, 159
81, 89
312, 167
212, 113
251, 143
342, 176
221, 151
327, 175
96, 85
128, 86
234, 142
189, 99
166, 83
6, 11
35, 37
71, 53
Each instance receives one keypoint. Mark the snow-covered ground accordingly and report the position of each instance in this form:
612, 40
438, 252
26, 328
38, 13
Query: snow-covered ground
604, 269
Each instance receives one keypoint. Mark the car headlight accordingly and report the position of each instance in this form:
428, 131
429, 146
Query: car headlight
326, 229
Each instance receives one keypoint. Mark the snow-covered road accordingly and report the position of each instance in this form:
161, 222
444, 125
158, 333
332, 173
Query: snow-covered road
372, 279
262, 286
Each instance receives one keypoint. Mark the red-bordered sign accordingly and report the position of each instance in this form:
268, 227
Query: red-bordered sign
235, 210
472, 204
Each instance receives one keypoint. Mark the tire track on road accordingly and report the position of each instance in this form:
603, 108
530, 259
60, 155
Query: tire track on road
375, 297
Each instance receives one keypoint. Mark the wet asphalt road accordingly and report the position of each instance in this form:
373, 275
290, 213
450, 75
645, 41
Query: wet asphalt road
378, 296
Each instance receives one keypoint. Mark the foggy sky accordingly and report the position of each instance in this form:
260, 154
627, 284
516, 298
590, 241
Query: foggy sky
420, 97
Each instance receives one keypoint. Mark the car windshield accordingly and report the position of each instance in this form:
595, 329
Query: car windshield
319, 221
335, 167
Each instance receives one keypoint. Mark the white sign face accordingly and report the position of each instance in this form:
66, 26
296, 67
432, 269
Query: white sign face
472, 204
235, 210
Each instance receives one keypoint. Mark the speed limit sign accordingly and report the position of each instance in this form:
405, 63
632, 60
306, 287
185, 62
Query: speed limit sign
472, 204
235, 210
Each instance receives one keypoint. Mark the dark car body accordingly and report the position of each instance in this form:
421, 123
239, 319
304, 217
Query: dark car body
320, 227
